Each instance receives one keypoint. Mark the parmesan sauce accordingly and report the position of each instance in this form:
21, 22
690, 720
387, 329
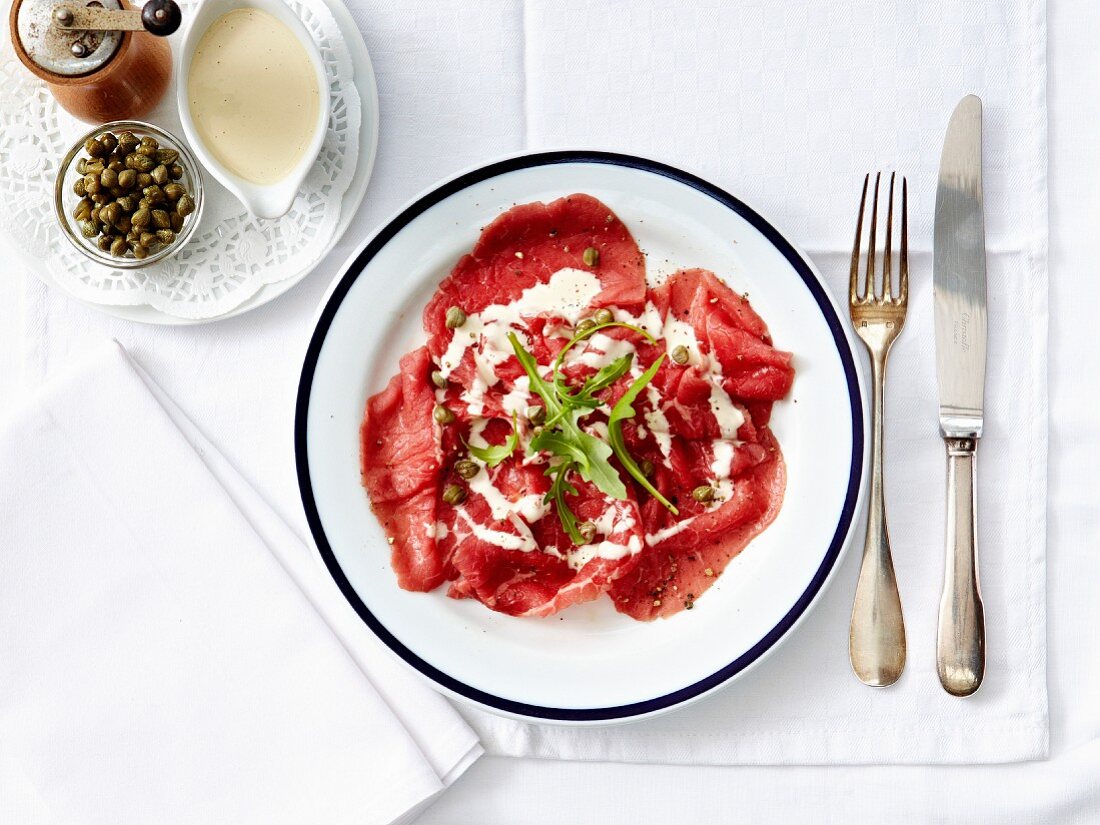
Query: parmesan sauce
253, 95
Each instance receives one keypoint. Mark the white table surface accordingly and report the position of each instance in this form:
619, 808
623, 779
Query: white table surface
1066, 788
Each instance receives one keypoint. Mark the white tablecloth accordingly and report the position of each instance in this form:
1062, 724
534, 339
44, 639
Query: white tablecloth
426, 136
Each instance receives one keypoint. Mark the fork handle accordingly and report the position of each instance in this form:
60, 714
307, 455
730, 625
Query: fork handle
960, 648
876, 637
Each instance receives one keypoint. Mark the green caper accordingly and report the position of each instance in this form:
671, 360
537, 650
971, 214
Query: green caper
91, 184
536, 414
185, 205
88, 228
128, 203
144, 179
467, 469
442, 415
140, 252
94, 148
603, 316
455, 317
127, 179
94, 167
111, 212
454, 494
109, 141
177, 221
108, 178
160, 174
127, 141
681, 354
147, 239
584, 326
166, 236
78, 187
147, 150
438, 379
153, 193
145, 203
161, 219
175, 171
82, 166
141, 218
83, 210
94, 214
104, 242
123, 223
167, 156
587, 530
116, 165
119, 247
591, 256
140, 162
172, 191
703, 493
101, 197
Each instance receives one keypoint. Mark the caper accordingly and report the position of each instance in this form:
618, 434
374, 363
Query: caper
591, 256
147, 239
82, 166
185, 205
467, 469
127, 178
175, 171
160, 174
585, 326
91, 184
603, 316
104, 242
147, 150
140, 162
167, 156
161, 219
680, 354
127, 141
144, 179
78, 187
455, 318
442, 415
173, 191
703, 493
108, 178
177, 221
536, 414
109, 141
145, 203
119, 247
101, 196
94, 148
140, 252
166, 236
141, 218
153, 193
438, 379
647, 467
88, 228
116, 165
587, 530
123, 223
128, 203
94, 167
94, 214
83, 210
110, 212
454, 494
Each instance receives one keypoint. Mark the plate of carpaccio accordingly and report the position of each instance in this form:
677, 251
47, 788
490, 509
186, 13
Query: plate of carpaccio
580, 436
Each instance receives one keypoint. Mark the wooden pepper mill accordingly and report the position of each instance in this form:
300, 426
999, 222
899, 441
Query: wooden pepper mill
97, 65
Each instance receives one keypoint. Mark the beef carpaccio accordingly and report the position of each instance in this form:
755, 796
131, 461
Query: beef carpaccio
630, 456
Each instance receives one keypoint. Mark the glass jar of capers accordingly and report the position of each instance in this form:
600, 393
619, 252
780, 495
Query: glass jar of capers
128, 194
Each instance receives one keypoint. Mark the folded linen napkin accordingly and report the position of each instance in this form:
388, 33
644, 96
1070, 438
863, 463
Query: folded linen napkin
788, 105
157, 662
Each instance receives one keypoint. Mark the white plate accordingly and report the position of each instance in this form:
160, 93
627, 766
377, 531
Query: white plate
363, 72
588, 664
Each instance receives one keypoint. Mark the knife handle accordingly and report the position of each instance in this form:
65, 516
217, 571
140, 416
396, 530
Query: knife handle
960, 649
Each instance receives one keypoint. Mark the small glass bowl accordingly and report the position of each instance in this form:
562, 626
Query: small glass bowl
65, 199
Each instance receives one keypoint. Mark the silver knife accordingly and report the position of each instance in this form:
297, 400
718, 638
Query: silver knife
960, 310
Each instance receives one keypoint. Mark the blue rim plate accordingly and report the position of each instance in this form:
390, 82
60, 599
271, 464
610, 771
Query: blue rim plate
588, 665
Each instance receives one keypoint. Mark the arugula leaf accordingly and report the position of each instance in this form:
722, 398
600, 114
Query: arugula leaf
557, 492
622, 410
496, 453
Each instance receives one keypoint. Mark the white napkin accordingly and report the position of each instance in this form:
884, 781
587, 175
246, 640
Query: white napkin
157, 662
787, 105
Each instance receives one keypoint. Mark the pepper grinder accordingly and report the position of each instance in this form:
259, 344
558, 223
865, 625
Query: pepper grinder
102, 60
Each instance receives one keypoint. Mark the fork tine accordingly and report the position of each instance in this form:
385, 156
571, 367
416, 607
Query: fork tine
853, 275
887, 253
869, 292
903, 267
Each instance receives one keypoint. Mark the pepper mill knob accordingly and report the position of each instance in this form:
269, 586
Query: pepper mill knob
161, 17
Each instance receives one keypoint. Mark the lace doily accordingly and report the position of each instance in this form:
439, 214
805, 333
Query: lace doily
231, 255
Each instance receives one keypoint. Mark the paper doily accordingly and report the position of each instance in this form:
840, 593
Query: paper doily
231, 255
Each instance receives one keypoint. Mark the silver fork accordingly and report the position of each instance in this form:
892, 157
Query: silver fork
876, 640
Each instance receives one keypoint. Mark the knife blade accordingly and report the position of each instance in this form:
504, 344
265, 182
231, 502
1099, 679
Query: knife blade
959, 303
959, 275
